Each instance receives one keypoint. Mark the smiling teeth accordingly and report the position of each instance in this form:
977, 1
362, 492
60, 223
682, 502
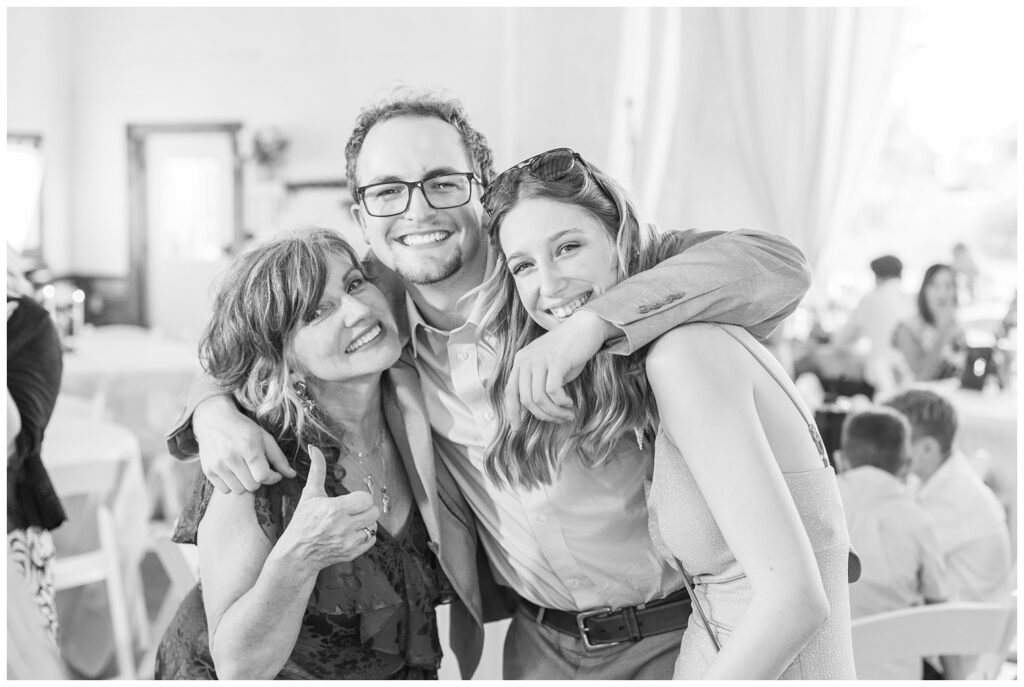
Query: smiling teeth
363, 340
563, 311
424, 239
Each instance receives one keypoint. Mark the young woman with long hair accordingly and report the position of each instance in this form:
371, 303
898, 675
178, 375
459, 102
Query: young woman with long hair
742, 495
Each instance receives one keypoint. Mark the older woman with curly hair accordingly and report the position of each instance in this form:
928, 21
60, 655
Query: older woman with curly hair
330, 574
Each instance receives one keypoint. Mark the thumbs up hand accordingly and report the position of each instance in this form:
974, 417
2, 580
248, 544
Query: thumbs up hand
325, 530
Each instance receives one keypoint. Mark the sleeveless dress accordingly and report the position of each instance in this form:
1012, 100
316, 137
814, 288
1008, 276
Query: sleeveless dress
684, 530
368, 619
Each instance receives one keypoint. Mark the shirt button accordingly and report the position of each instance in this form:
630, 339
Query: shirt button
462, 356
542, 519
574, 583
488, 415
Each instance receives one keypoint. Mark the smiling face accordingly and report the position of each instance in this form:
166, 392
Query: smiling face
351, 334
424, 245
560, 256
940, 293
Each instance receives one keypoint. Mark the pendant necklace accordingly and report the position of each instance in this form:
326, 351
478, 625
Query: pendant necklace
385, 500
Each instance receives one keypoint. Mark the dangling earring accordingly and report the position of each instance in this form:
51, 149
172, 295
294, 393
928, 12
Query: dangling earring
302, 391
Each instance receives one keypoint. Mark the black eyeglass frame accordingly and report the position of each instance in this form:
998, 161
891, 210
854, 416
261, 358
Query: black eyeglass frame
412, 185
533, 165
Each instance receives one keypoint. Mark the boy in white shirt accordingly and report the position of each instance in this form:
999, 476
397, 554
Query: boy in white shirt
970, 523
895, 538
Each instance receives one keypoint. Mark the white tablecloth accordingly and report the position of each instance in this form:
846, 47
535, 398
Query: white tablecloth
136, 378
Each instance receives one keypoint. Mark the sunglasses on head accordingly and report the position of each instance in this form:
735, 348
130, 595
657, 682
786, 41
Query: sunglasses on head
550, 165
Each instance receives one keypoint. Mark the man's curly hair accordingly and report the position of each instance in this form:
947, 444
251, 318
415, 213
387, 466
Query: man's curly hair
413, 103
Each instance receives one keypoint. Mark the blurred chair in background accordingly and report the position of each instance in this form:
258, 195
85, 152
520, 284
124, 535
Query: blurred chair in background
963, 630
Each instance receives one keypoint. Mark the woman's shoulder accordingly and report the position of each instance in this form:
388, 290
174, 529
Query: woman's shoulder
698, 348
694, 337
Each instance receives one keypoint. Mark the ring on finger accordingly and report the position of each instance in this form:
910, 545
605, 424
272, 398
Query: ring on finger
370, 534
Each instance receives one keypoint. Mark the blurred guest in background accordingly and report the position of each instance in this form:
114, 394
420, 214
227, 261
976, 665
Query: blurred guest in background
965, 271
894, 537
34, 367
1009, 321
970, 521
875, 319
932, 341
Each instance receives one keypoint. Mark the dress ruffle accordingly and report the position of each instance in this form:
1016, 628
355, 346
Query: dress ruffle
357, 596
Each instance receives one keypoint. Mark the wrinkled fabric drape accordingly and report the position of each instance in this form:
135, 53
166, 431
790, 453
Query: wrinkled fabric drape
809, 89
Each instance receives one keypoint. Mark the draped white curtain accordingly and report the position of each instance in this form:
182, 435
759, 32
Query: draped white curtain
809, 89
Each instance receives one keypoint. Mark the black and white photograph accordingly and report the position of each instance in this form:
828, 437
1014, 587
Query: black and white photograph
512, 342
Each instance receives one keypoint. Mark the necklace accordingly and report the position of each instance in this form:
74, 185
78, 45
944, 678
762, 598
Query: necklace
385, 500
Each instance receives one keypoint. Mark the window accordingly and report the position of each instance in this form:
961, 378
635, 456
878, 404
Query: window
25, 193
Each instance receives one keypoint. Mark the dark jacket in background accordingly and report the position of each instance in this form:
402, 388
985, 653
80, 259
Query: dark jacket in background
34, 367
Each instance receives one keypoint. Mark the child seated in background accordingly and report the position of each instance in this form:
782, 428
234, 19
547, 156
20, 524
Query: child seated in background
970, 523
894, 536
901, 561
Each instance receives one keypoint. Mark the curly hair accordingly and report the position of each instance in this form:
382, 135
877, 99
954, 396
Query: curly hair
412, 103
259, 303
611, 395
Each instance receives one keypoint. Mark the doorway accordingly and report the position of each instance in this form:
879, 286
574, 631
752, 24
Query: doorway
185, 219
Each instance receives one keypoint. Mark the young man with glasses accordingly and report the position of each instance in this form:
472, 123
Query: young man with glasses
597, 600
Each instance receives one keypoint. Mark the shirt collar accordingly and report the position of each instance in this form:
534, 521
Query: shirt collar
945, 477
880, 482
476, 312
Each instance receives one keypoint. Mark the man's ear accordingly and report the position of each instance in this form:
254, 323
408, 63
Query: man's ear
359, 218
930, 446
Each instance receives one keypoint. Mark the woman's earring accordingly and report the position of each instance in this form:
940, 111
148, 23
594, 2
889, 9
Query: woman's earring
302, 391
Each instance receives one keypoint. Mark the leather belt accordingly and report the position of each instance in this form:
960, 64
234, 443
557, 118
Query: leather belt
603, 627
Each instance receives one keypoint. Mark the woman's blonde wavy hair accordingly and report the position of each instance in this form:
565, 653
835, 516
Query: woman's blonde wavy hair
265, 294
611, 395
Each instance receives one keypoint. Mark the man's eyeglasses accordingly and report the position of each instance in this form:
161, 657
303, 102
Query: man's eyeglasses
550, 165
441, 191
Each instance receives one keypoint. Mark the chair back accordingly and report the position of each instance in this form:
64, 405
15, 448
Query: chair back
945, 629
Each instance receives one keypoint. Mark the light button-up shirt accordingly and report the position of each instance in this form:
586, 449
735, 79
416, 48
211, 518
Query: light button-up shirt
579, 543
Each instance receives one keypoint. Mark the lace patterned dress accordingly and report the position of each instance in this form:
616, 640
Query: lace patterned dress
684, 530
370, 619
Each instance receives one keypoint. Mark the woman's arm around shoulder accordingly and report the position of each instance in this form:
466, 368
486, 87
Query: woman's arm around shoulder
704, 389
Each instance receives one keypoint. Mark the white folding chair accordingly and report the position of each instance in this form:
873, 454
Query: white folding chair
181, 564
92, 478
946, 629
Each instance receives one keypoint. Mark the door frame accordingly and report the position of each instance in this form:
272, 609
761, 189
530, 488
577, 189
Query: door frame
138, 224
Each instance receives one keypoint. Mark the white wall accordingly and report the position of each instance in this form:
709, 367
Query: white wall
39, 101
531, 78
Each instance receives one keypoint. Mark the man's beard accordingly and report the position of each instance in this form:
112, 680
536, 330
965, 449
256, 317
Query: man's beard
433, 273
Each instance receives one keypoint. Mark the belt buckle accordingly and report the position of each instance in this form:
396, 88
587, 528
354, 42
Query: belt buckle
581, 619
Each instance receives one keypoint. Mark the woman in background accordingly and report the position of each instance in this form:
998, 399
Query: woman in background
301, 580
34, 366
742, 495
932, 341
